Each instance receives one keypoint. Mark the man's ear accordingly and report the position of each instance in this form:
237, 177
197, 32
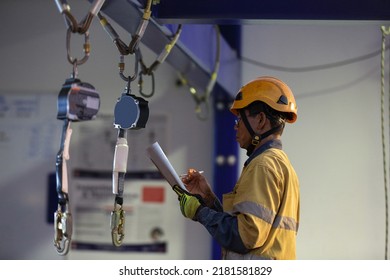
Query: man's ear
261, 120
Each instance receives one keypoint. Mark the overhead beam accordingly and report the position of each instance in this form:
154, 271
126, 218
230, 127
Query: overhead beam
193, 53
253, 11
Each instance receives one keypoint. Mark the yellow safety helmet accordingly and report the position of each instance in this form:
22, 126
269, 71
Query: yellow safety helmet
269, 90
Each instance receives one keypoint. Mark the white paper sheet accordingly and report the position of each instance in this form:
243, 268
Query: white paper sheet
158, 157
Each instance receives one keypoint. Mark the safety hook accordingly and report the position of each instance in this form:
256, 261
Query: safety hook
118, 226
121, 66
86, 48
199, 100
198, 108
141, 82
62, 230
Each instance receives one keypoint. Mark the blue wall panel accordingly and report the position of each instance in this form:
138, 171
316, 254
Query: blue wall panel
225, 150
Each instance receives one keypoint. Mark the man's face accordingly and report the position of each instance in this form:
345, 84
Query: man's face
243, 137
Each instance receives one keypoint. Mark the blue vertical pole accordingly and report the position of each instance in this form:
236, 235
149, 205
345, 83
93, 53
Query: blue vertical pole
225, 151
225, 146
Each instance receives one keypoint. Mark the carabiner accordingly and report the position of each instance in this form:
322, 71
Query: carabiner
62, 230
140, 85
202, 114
118, 226
86, 48
121, 65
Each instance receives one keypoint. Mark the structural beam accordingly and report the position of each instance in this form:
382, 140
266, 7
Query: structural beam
253, 11
194, 53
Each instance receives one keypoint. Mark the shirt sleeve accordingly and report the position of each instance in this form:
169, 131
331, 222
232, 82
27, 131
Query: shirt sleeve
223, 227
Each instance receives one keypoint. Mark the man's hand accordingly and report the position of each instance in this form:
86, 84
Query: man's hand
189, 203
198, 185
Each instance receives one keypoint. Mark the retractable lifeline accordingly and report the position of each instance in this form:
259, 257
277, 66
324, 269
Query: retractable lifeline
77, 101
63, 216
118, 184
131, 112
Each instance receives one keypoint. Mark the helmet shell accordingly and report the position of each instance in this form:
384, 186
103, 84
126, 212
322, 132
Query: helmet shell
270, 90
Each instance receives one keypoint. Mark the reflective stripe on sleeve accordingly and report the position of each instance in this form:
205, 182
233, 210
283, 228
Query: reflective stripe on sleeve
267, 215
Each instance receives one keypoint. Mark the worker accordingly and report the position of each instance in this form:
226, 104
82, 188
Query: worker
259, 218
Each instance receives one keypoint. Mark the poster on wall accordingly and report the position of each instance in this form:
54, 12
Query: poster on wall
146, 209
29, 132
93, 143
153, 226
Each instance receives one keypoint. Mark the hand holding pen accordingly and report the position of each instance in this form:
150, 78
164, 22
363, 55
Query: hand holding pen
196, 183
189, 173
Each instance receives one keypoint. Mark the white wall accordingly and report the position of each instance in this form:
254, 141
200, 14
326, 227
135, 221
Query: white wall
335, 145
33, 61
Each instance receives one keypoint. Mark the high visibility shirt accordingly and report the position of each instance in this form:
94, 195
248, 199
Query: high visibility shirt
266, 202
261, 214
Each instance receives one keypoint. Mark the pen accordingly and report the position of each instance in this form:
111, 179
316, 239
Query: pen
183, 175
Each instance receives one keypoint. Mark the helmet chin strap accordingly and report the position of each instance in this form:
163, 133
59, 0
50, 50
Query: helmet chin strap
255, 137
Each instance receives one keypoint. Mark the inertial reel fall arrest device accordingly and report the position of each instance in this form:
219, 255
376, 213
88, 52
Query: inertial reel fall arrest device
131, 112
77, 101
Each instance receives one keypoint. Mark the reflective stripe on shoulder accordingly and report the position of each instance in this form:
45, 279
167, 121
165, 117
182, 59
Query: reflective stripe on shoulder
266, 215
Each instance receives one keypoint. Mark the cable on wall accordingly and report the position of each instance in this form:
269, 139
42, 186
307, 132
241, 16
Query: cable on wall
385, 33
313, 67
